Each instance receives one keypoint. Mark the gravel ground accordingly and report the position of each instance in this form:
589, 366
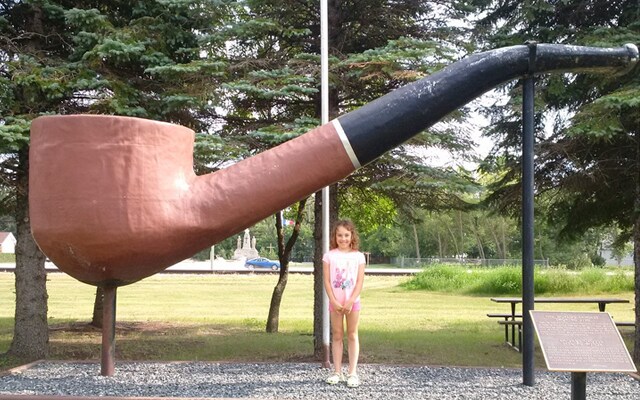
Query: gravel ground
303, 381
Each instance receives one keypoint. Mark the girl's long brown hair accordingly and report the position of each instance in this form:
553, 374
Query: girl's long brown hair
351, 227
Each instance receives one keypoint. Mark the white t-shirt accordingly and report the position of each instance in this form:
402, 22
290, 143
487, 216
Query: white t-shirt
343, 271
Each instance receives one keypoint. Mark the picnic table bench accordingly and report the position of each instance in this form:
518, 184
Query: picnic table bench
509, 320
514, 320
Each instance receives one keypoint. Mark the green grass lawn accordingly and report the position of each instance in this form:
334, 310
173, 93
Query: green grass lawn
222, 318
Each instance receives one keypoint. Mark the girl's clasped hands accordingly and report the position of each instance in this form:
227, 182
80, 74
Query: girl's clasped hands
343, 309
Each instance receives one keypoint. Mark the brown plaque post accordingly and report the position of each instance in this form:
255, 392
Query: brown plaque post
107, 363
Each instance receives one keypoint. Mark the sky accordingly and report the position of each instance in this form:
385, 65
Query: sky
476, 124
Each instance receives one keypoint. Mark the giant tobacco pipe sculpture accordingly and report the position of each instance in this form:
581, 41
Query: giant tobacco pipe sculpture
114, 199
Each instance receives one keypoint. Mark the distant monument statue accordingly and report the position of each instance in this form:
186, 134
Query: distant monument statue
248, 248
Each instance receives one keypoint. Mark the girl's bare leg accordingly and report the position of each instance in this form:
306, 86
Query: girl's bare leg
353, 319
337, 335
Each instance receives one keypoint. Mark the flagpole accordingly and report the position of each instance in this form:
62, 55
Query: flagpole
324, 90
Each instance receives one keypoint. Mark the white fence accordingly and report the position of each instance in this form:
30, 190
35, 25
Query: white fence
406, 262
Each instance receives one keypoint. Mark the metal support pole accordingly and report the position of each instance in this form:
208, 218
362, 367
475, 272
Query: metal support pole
578, 386
527, 222
107, 365
324, 91
212, 256
326, 324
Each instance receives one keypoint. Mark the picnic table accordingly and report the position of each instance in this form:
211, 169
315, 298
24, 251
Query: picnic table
513, 320
600, 301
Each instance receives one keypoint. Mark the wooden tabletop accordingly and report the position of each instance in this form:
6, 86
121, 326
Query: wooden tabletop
561, 300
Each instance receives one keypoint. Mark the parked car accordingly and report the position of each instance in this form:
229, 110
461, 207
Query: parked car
262, 262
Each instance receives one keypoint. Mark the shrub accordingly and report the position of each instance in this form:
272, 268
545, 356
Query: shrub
579, 262
504, 280
508, 280
598, 260
440, 278
555, 280
592, 277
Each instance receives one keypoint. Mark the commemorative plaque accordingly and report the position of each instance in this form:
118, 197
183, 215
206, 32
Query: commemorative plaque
581, 342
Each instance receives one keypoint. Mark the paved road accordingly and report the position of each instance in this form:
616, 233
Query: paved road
237, 267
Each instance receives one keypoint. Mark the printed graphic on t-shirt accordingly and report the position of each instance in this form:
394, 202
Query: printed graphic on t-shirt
343, 272
343, 278
341, 282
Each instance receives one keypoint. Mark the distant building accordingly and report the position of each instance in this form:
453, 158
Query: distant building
7, 242
626, 261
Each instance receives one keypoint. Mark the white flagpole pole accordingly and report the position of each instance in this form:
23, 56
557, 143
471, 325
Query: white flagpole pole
324, 90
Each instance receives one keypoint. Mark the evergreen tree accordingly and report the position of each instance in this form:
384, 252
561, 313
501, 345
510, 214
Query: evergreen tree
375, 47
588, 162
141, 58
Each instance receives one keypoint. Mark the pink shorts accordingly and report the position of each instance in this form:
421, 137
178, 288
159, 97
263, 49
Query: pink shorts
356, 306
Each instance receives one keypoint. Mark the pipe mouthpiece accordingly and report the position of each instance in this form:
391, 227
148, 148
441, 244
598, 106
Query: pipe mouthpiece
633, 52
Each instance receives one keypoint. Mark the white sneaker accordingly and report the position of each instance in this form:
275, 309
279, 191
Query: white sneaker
353, 381
334, 378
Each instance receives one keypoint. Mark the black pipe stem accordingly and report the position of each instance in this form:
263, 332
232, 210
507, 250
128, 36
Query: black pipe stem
396, 117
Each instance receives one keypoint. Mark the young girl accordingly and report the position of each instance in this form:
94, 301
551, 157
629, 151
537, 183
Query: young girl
343, 272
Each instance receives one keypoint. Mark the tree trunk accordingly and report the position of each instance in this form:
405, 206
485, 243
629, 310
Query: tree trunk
540, 246
461, 227
273, 320
480, 246
455, 241
284, 253
31, 332
318, 284
476, 233
498, 244
504, 241
98, 305
415, 237
636, 256
636, 262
